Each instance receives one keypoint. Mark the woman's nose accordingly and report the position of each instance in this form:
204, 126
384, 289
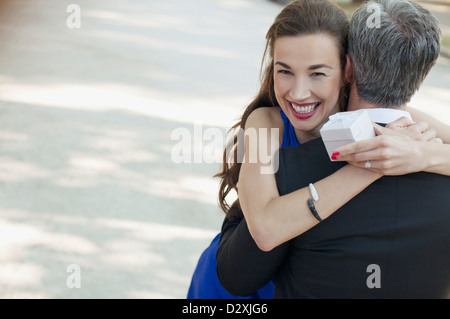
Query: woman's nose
301, 91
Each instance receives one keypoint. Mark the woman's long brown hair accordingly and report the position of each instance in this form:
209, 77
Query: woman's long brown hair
301, 17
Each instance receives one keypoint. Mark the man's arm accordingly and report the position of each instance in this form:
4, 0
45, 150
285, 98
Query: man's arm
242, 267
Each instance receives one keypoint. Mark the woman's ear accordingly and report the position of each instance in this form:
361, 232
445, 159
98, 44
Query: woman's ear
349, 74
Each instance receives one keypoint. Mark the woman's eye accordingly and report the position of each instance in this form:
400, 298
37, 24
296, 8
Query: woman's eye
285, 72
318, 74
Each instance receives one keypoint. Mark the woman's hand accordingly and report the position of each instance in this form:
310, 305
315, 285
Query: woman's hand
420, 131
396, 150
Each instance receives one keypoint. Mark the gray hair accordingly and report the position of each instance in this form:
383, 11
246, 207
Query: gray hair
392, 59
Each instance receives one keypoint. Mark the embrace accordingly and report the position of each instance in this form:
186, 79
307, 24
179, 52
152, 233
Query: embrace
374, 222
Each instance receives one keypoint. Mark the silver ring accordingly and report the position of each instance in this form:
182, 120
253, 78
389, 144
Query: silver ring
368, 164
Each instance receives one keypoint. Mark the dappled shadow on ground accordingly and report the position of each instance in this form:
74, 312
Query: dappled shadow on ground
86, 119
98, 189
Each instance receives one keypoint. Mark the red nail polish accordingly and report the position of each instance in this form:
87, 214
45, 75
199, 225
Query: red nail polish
335, 154
333, 157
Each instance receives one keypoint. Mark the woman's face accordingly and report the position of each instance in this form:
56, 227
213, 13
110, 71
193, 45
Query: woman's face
307, 80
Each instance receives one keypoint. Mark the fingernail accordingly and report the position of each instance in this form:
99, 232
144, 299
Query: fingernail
334, 156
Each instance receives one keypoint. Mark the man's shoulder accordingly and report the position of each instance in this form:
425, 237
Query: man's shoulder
311, 151
304, 164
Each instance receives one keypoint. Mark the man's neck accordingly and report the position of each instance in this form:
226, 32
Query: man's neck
356, 103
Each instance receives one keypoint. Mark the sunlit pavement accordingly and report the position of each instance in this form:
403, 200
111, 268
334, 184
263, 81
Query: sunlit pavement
89, 118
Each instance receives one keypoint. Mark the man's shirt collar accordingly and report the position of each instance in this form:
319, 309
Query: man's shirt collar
386, 116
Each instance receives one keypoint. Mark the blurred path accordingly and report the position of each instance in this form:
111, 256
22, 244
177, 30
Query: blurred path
87, 118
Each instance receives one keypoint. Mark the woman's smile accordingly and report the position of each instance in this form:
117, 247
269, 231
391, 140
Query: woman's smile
307, 81
304, 110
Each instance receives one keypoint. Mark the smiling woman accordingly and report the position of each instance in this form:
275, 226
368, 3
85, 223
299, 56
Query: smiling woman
302, 84
280, 236
298, 24
307, 89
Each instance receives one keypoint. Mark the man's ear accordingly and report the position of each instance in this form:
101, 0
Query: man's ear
349, 73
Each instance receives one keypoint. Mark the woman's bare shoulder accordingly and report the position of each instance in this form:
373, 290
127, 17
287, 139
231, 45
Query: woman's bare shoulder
265, 117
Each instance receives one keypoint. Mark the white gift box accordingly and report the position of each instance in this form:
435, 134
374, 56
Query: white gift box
346, 127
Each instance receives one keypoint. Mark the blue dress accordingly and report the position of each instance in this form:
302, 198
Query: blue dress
205, 283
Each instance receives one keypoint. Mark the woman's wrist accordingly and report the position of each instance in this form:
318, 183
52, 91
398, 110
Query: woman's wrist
436, 158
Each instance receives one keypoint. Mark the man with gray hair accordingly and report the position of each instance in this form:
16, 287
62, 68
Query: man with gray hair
392, 55
393, 46
390, 241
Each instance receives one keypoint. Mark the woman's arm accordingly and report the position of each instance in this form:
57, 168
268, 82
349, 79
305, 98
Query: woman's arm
437, 155
442, 129
403, 147
273, 219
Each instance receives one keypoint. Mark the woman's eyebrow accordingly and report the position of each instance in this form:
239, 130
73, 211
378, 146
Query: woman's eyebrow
319, 66
283, 64
312, 67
